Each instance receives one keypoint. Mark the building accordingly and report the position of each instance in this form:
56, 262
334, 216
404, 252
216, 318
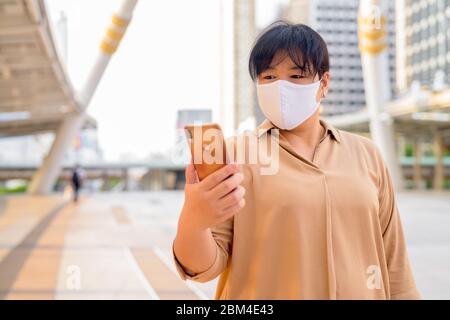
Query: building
423, 43
180, 152
240, 22
336, 21
31, 149
244, 91
189, 116
238, 104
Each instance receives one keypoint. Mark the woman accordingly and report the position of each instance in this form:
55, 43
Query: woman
325, 226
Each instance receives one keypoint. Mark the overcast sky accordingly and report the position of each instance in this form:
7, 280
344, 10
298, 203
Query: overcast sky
168, 60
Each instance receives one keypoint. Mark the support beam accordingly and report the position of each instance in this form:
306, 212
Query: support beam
44, 179
418, 183
372, 35
126, 179
47, 174
438, 147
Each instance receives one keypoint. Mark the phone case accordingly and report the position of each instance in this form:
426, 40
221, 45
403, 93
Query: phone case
208, 148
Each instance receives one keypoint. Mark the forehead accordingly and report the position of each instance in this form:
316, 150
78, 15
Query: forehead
287, 59
282, 59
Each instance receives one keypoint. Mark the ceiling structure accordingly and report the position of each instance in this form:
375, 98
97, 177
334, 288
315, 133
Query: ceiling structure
35, 91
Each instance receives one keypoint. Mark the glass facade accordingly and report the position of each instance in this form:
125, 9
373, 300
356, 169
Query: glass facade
336, 21
427, 39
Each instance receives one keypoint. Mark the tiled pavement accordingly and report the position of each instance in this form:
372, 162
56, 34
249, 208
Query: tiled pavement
117, 246
108, 246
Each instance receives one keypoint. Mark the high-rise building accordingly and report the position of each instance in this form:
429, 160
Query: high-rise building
298, 11
225, 116
244, 36
30, 149
180, 151
336, 22
240, 21
190, 116
423, 43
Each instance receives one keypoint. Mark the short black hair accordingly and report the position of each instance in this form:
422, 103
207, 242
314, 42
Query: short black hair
305, 47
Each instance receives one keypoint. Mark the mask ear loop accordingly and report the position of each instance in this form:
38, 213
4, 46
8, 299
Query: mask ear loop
323, 94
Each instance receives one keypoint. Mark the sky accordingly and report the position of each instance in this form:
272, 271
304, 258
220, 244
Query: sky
168, 60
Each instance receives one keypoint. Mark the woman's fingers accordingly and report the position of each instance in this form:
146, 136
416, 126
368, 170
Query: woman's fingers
231, 211
191, 174
228, 185
232, 198
217, 177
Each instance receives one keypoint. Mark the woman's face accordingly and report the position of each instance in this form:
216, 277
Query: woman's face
283, 68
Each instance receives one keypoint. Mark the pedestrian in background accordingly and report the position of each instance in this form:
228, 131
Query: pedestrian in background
76, 182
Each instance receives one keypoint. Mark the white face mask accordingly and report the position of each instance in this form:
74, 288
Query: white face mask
287, 104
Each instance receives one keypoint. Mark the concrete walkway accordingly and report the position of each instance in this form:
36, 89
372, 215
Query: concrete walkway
118, 246
112, 246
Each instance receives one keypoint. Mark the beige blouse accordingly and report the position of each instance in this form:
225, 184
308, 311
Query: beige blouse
322, 229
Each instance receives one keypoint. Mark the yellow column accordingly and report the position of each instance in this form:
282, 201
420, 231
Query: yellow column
438, 179
417, 163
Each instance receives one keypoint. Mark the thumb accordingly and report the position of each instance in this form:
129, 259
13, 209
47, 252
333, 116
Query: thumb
191, 174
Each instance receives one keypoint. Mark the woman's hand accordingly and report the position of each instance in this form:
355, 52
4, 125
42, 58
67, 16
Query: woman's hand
215, 199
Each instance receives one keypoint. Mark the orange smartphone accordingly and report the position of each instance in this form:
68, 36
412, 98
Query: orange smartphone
208, 148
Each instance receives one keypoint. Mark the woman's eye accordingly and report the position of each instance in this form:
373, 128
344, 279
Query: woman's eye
297, 76
269, 77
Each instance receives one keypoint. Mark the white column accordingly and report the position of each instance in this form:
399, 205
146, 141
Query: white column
372, 34
45, 177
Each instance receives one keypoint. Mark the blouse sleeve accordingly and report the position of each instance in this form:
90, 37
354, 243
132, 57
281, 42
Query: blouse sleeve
401, 281
223, 236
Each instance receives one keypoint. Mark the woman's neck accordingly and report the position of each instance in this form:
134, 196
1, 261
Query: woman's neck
306, 136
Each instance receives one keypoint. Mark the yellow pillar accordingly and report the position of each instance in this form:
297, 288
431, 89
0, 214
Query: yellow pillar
438, 179
417, 163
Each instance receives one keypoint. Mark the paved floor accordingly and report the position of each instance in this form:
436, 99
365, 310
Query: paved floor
108, 246
426, 221
117, 246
